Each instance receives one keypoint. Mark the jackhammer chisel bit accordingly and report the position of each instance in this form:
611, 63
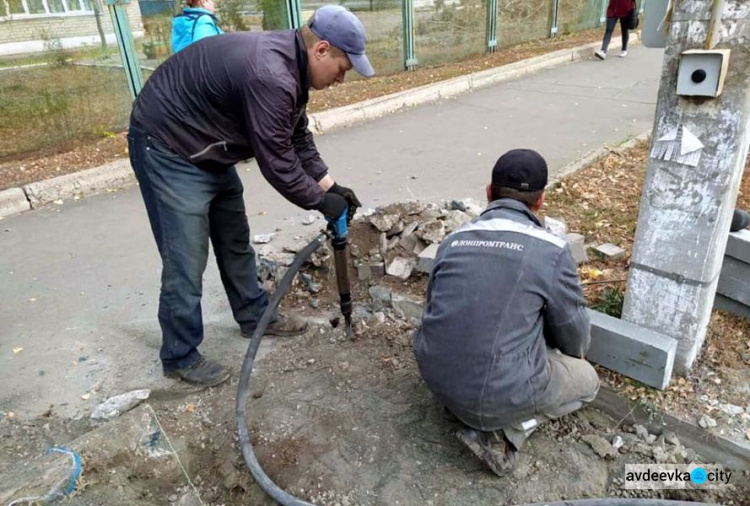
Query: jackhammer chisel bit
341, 262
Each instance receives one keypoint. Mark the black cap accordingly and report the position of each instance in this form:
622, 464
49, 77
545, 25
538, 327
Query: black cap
521, 169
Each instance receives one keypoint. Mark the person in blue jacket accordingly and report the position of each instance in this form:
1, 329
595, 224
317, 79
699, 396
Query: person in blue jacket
196, 22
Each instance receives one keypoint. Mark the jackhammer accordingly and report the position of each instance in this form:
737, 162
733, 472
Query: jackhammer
340, 231
337, 232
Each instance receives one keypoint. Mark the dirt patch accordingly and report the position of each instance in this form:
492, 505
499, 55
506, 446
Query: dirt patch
349, 421
76, 155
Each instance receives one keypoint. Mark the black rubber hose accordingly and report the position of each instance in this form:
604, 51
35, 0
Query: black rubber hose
247, 367
615, 501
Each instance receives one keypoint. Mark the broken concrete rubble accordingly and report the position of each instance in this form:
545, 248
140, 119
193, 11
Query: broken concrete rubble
600, 446
557, 226
406, 308
119, 404
431, 232
401, 268
370, 270
384, 222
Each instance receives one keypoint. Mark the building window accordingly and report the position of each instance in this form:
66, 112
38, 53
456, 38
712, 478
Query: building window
55, 6
16, 7
35, 7
43, 7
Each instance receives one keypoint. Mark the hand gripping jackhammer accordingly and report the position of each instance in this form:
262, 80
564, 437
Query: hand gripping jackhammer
338, 233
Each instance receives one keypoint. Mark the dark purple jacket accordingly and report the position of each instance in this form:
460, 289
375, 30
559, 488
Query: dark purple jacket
620, 8
236, 96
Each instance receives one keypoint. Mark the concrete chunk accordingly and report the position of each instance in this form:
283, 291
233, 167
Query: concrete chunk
634, 351
427, 259
577, 247
371, 270
384, 222
432, 232
610, 251
401, 268
738, 245
557, 226
406, 308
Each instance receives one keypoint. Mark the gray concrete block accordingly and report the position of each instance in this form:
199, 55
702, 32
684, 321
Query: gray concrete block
577, 247
370, 270
738, 245
610, 251
427, 259
13, 201
734, 280
731, 306
634, 351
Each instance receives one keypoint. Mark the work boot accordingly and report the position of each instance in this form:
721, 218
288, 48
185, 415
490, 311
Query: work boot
204, 373
492, 448
282, 326
740, 220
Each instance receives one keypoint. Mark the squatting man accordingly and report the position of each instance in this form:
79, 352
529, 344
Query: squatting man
505, 327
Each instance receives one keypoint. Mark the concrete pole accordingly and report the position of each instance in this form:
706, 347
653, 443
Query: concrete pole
687, 204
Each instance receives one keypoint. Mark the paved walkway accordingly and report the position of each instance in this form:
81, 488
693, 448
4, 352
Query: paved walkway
80, 281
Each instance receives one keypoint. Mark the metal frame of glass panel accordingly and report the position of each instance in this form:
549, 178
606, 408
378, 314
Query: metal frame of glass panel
294, 14
553, 18
124, 36
407, 15
492, 6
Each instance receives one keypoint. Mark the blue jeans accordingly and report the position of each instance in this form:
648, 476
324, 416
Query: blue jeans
611, 23
187, 206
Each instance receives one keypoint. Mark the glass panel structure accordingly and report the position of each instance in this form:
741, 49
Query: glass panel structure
522, 21
449, 30
577, 15
56, 107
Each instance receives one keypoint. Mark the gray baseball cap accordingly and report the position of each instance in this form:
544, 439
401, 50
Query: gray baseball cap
344, 31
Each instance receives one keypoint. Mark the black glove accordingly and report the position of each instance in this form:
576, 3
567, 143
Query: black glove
351, 199
332, 206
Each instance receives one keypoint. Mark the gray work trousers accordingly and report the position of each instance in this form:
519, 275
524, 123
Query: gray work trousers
573, 381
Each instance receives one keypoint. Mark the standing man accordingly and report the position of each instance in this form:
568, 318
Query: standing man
505, 327
219, 101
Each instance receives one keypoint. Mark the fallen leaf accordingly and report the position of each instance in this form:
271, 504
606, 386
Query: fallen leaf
85, 397
18, 350
59, 202
33, 299
189, 408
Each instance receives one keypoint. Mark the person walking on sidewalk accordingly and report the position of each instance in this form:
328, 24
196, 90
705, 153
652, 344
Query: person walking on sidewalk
617, 9
505, 327
219, 101
196, 22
